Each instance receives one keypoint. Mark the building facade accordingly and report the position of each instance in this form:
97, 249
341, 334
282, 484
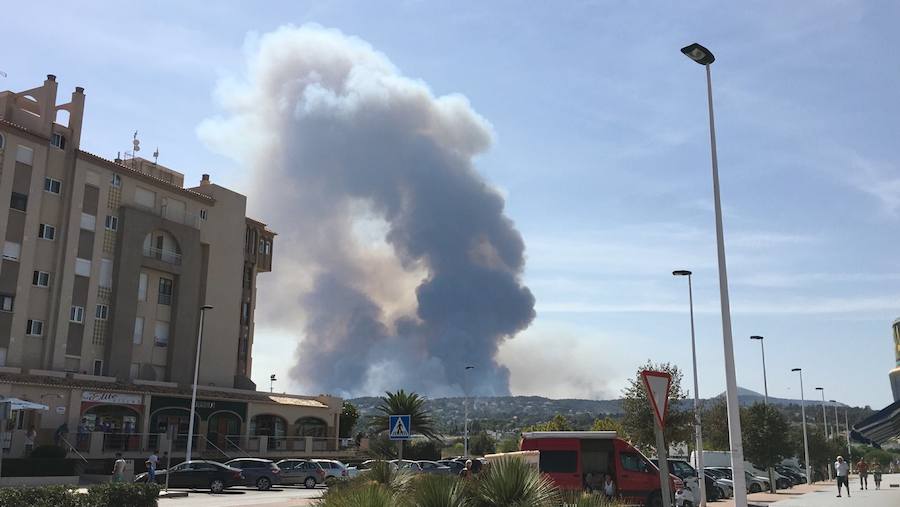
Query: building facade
105, 267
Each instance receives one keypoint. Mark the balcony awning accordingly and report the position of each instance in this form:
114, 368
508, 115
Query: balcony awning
17, 404
881, 426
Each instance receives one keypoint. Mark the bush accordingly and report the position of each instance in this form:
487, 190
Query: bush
106, 495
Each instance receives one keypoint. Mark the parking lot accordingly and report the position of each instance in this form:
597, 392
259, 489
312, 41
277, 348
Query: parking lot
244, 497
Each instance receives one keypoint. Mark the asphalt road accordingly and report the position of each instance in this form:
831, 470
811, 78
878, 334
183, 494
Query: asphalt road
283, 496
885, 497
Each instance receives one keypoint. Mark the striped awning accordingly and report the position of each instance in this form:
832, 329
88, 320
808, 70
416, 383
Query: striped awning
880, 427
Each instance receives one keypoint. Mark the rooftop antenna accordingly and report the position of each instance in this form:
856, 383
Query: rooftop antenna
156, 156
137, 147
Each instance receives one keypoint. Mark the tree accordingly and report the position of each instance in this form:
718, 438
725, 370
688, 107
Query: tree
403, 403
766, 435
558, 423
715, 425
482, 444
349, 416
510, 444
638, 420
608, 424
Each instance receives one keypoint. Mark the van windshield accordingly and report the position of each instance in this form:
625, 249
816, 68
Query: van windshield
559, 462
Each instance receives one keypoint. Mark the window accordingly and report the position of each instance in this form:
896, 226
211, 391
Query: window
24, 155
165, 292
135, 370
112, 223
161, 334
11, 251
631, 462
6, 303
47, 231
262, 246
144, 197
2, 140
52, 185
76, 314
88, 222
245, 312
18, 201
268, 247
138, 336
58, 140
115, 181
98, 367
34, 327
562, 462
248, 276
142, 287
40, 279
106, 270
203, 214
102, 312
82, 267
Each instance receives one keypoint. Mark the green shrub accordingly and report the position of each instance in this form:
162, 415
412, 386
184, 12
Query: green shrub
105, 495
370, 494
511, 481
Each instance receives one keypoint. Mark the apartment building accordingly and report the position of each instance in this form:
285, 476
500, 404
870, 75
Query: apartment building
105, 267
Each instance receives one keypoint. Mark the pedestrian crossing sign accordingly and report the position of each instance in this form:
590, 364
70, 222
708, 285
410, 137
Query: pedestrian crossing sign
399, 427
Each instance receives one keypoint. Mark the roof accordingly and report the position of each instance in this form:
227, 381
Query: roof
265, 227
581, 435
881, 426
206, 393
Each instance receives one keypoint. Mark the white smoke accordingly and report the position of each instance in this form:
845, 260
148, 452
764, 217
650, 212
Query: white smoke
394, 265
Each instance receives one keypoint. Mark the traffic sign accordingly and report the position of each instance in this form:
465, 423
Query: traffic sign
400, 427
657, 384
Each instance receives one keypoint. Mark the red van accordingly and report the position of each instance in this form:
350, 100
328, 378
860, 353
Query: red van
569, 456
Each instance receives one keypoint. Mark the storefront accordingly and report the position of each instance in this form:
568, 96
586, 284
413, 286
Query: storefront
219, 420
117, 415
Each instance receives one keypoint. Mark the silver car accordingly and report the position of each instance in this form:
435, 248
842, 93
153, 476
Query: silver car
333, 469
433, 467
301, 471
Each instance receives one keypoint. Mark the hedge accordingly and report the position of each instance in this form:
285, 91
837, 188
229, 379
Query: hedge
104, 495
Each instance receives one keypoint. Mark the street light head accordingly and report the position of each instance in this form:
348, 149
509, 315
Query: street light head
682, 272
470, 367
832, 401
272, 377
699, 54
207, 307
796, 369
820, 389
755, 337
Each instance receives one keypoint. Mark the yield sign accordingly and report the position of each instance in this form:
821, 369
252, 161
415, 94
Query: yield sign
657, 385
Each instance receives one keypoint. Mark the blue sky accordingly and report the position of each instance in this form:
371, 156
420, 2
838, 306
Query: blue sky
602, 152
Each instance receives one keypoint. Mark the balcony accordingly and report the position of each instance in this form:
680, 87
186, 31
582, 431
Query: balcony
167, 256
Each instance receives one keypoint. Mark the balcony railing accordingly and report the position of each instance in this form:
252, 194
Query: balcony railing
167, 256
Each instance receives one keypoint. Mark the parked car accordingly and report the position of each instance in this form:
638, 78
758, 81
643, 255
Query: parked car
407, 466
302, 471
688, 474
365, 466
433, 467
198, 474
725, 485
755, 484
454, 465
259, 472
793, 475
333, 469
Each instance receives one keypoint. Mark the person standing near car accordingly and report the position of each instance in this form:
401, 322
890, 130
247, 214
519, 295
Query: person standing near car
842, 471
152, 462
863, 469
118, 472
466, 473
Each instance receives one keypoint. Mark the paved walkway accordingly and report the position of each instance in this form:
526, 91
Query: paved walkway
825, 494
247, 497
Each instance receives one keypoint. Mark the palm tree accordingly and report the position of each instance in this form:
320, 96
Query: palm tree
403, 403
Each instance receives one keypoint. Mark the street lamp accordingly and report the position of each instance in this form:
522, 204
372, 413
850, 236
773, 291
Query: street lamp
772, 483
187, 455
705, 57
836, 427
698, 435
272, 380
803, 416
825, 421
847, 427
466, 410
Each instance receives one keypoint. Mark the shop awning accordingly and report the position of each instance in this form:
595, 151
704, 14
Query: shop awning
17, 404
881, 426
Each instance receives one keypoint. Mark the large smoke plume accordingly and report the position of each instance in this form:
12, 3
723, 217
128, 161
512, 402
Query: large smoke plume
395, 265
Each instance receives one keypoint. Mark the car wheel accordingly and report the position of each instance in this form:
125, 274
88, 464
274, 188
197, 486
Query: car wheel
655, 499
263, 484
754, 488
310, 483
216, 486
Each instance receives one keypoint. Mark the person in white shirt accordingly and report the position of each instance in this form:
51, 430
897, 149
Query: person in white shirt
152, 463
842, 470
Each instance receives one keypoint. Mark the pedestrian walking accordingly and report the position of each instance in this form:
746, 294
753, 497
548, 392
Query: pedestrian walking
876, 474
152, 463
30, 437
61, 434
83, 431
863, 469
466, 473
118, 472
842, 471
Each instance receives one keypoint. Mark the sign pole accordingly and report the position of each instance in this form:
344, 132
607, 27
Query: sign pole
399, 428
663, 466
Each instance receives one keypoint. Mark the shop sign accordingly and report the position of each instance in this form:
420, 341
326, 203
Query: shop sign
60, 410
111, 398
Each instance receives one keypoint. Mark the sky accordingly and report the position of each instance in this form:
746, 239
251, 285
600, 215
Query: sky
601, 151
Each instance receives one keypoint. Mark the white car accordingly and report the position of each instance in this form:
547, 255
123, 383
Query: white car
333, 469
364, 467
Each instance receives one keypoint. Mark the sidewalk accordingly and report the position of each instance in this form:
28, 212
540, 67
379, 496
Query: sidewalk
824, 493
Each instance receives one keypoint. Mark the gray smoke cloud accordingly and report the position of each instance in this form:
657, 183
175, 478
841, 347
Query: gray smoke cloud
395, 265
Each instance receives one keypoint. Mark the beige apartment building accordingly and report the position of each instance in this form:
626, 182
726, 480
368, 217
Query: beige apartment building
105, 267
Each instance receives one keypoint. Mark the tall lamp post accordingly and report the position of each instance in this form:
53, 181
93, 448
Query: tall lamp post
825, 421
762, 346
187, 454
272, 380
847, 426
704, 57
836, 427
698, 434
466, 410
809, 477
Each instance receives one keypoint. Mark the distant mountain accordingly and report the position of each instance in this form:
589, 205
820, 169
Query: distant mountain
515, 412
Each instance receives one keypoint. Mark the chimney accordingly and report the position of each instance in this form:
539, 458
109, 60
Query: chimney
204, 180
